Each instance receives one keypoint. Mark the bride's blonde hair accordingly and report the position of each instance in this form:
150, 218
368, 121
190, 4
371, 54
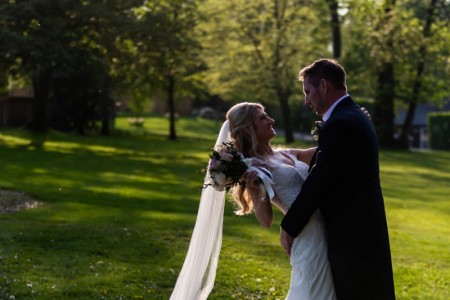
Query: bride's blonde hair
241, 119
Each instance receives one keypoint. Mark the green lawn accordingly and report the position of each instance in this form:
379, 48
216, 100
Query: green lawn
118, 213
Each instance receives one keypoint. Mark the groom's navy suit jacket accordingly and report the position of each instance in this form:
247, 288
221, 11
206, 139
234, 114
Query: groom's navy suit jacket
344, 184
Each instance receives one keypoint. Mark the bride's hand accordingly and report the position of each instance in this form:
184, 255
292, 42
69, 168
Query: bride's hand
286, 241
251, 180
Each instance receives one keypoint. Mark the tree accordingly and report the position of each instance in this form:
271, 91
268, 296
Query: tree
417, 84
385, 93
267, 43
171, 62
383, 41
24, 27
335, 27
42, 35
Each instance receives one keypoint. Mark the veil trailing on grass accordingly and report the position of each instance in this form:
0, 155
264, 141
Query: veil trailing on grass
196, 278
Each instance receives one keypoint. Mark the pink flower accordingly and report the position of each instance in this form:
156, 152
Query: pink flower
213, 164
225, 156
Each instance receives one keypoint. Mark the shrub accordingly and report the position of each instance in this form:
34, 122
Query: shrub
439, 129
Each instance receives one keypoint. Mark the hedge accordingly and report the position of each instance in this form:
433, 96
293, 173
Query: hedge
439, 129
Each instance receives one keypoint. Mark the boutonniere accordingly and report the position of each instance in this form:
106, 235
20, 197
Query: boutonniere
315, 130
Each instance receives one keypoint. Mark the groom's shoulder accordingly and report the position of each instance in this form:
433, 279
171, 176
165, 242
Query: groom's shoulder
346, 108
348, 102
350, 114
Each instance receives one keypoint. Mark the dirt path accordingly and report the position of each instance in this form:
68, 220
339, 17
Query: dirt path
12, 201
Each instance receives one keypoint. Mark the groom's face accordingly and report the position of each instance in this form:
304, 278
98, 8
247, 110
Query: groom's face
314, 98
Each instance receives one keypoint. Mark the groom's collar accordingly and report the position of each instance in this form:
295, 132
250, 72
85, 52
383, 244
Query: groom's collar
327, 115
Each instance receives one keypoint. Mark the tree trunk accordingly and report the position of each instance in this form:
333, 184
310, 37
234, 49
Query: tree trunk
171, 105
281, 92
104, 130
335, 27
384, 99
384, 106
107, 117
285, 111
41, 89
407, 125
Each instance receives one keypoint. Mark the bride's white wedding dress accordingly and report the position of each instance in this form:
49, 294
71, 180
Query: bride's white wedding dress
311, 277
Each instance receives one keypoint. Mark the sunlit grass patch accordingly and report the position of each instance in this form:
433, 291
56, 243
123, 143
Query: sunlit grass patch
118, 214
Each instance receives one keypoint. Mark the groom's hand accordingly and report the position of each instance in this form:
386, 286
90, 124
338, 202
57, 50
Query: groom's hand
286, 241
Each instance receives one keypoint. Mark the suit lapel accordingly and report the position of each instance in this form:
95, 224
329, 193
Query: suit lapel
346, 102
313, 161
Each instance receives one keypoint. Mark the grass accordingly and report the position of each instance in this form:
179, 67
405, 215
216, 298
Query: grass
417, 193
119, 211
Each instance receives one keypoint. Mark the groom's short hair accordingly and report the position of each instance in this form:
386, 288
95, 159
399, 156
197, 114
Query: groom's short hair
328, 69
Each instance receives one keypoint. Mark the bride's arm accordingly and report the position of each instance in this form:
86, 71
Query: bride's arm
261, 204
304, 155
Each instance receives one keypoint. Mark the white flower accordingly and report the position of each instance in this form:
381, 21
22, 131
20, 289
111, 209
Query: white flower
220, 178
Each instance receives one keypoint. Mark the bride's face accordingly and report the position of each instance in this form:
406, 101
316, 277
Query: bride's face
263, 126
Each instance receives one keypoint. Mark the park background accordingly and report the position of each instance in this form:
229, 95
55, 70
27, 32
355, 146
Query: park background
108, 110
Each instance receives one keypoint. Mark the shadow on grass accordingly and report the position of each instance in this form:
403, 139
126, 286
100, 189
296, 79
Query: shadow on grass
411, 173
434, 160
119, 213
117, 206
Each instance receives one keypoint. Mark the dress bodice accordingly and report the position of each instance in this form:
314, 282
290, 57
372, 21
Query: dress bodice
288, 180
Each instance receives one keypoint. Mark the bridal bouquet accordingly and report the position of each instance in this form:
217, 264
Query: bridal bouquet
226, 166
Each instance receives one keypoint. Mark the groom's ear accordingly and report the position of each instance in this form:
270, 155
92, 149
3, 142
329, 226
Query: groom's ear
323, 86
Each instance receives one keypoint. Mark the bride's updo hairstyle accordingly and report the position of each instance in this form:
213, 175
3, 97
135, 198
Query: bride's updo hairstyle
241, 118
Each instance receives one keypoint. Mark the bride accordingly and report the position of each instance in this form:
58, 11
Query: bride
250, 129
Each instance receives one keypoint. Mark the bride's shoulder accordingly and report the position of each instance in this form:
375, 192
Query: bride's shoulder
290, 152
280, 149
303, 155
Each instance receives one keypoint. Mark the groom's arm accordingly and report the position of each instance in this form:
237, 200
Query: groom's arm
333, 153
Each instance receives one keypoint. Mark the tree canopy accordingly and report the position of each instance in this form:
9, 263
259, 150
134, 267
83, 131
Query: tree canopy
235, 50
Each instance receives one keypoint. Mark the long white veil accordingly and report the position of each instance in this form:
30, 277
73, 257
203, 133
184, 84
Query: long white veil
196, 278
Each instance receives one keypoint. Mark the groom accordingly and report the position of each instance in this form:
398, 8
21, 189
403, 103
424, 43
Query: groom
344, 184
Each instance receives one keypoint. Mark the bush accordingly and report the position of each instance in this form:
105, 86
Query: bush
439, 129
